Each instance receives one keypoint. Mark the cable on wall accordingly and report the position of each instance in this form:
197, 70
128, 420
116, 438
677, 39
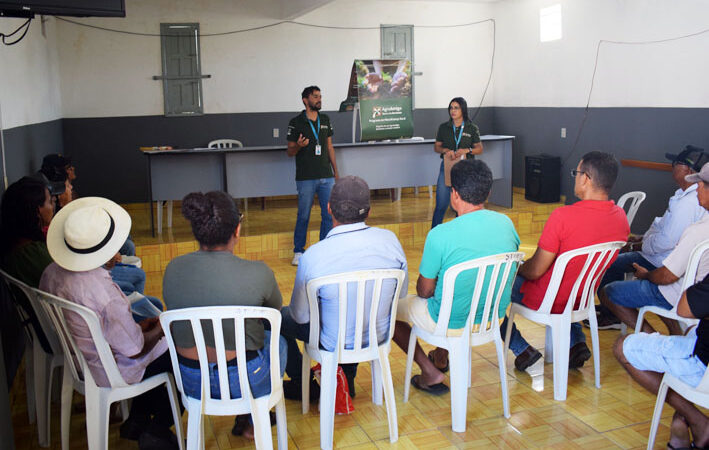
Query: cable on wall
595, 70
25, 25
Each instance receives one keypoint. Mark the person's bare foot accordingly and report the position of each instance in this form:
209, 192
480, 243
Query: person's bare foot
440, 358
679, 432
431, 377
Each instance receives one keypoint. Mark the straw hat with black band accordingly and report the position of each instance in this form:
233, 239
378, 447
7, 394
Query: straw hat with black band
86, 233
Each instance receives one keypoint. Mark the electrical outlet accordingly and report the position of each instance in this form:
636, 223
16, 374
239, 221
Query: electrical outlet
276, 132
563, 133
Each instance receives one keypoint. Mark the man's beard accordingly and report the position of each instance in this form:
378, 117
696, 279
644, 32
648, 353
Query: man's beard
314, 106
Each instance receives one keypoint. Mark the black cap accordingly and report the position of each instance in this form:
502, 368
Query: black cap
55, 187
350, 193
691, 156
56, 160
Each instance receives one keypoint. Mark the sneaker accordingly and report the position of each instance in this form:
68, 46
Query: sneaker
606, 322
296, 258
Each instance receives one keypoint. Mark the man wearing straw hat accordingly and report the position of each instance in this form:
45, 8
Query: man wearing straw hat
82, 237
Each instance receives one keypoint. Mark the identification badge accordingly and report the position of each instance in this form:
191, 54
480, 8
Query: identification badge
318, 150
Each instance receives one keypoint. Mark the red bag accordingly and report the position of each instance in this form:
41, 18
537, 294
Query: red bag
343, 401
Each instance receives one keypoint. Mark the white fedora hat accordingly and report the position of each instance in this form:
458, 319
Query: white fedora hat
87, 232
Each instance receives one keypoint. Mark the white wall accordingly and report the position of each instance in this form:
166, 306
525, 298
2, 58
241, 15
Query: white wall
558, 74
108, 74
29, 76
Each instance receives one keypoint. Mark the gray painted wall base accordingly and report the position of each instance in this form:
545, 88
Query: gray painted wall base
108, 162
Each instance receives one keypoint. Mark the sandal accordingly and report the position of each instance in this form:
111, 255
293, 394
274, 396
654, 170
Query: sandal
434, 389
445, 369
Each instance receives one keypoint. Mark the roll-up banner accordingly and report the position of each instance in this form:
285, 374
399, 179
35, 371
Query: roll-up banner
384, 91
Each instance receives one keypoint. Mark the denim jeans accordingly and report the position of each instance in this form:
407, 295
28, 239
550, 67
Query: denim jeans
129, 278
292, 330
306, 194
443, 199
622, 265
517, 343
257, 368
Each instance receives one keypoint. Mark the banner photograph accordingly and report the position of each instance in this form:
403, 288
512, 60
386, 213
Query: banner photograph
385, 105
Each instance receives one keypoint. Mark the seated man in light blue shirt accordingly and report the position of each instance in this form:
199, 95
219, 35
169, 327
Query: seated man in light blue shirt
663, 235
475, 233
351, 245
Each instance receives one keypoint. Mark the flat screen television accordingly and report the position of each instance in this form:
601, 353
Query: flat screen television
77, 8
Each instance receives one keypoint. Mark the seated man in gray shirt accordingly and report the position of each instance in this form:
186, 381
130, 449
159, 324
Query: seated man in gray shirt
350, 245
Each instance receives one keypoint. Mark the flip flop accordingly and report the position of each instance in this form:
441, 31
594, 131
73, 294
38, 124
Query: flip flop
445, 369
434, 389
671, 447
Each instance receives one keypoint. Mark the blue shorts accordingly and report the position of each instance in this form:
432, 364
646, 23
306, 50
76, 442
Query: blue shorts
636, 294
666, 354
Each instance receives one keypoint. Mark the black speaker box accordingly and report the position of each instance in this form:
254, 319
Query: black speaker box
542, 180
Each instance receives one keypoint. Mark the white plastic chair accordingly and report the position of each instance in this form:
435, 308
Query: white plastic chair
377, 353
636, 197
77, 375
558, 326
689, 279
226, 406
502, 269
39, 364
230, 143
698, 396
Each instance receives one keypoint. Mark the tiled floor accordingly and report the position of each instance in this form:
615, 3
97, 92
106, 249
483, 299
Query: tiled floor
617, 415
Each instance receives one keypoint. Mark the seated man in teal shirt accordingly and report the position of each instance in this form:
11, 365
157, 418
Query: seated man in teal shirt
475, 233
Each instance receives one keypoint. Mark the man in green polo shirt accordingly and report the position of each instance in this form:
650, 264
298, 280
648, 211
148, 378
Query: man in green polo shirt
310, 141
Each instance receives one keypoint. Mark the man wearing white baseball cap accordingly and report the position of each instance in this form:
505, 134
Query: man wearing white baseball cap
82, 237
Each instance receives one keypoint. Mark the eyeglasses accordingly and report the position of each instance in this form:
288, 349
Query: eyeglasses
575, 172
454, 107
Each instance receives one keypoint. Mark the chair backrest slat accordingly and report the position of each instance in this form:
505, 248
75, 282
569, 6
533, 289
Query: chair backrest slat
360, 279
597, 259
501, 269
225, 143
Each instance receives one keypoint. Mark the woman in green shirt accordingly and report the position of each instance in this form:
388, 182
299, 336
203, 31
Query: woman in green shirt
456, 138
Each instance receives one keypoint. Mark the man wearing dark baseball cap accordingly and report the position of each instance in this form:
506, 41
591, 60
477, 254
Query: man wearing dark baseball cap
350, 245
650, 250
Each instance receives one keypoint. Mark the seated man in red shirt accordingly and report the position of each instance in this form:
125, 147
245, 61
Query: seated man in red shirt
593, 220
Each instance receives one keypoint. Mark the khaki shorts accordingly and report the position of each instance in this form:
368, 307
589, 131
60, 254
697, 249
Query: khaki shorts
414, 310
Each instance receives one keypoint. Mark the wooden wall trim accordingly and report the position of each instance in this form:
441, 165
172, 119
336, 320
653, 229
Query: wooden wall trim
665, 167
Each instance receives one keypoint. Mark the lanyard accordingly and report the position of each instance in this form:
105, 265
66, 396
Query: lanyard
317, 135
460, 134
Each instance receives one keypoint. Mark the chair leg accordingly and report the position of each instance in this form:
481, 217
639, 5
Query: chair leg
388, 385
560, 338
159, 211
430, 191
659, 404
548, 345
641, 319
281, 425
503, 375
42, 392
328, 387
459, 386
305, 383
97, 410
376, 382
195, 436
262, 423
416, 191
29, 383
595, 347
169, 213
67, 395
175, 406
409, 365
